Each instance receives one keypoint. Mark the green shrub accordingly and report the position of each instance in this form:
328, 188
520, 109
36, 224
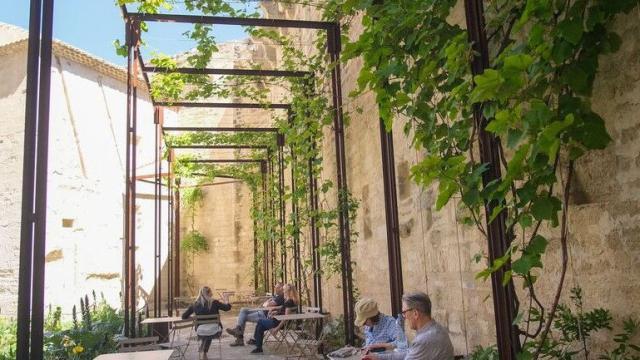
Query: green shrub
7, 339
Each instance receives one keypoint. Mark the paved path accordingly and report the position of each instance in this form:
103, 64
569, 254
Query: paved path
237, 352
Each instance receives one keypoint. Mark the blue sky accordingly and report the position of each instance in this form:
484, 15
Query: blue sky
93, 25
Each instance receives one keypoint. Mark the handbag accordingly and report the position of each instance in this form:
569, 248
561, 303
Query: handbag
209, 329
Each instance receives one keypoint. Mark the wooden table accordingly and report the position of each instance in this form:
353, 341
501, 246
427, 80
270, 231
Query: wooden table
160, 326
141, 355
299, 346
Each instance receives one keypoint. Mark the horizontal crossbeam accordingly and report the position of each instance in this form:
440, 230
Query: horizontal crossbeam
218, 129
236, 72
223, 20
224, 105
219, 147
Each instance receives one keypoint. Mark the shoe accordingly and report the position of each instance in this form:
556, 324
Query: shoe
238, 342
251, 342
201, 356
236, 331
256, 351
204, 356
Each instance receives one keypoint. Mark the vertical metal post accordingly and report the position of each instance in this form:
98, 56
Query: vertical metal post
176, 240
313, 205
132, 138
391, 215
283, 245
265, 251
159, 180
273, 214
23, 332
127, 183
156, 205
504, 298
34, 183
169, 233
333, 44
297, 271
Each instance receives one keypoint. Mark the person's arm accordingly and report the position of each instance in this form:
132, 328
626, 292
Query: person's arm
187, 313
223, 306
281, 324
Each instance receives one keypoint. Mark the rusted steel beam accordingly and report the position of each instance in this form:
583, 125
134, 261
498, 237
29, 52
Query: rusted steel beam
219, 129
232, 72
221, 20
504, 297
31, 282
176, 240
222, 161
219, 147
391, 215
333, 44
224, 105
23, 332
170, 290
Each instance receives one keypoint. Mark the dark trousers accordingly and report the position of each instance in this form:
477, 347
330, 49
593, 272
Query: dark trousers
205, 342
262, 326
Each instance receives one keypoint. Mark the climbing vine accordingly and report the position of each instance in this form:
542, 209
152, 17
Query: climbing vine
536, 97
302, 129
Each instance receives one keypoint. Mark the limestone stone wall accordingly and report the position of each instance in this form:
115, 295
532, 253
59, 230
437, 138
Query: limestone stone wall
437, 251
85, 178
224, 218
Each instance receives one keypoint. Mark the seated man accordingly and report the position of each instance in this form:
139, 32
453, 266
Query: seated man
432, 340
380, 330
254, 315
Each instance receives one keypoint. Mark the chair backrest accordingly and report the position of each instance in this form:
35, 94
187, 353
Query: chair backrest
292, 310
308, 309
206, 319
138, 344
182, 324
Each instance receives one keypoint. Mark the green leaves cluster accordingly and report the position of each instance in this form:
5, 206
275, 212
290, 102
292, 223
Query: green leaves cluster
535, 98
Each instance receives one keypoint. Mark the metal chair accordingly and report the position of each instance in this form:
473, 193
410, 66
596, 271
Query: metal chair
210, 319
138, 344
177, 343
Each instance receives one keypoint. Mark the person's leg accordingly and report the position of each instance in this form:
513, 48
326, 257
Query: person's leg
207, 343
242, 317
263, 325
254, 317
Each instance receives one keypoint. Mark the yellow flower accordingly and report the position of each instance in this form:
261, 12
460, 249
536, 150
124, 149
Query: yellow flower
77, 349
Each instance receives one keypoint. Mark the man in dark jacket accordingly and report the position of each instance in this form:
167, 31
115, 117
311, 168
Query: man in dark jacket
255, 315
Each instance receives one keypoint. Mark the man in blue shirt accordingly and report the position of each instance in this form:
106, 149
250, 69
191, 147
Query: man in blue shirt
380, 330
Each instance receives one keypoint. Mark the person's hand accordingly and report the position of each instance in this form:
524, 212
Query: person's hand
370, 357
367, 349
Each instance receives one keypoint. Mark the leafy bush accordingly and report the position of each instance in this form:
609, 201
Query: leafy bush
573, 328
84, 338
7, 339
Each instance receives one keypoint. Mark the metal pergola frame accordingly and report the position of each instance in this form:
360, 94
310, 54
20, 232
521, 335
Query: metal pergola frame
33, 237
132, 21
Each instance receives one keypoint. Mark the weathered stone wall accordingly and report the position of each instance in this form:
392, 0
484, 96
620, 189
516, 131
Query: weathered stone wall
224, 218
85, 180
437, 251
